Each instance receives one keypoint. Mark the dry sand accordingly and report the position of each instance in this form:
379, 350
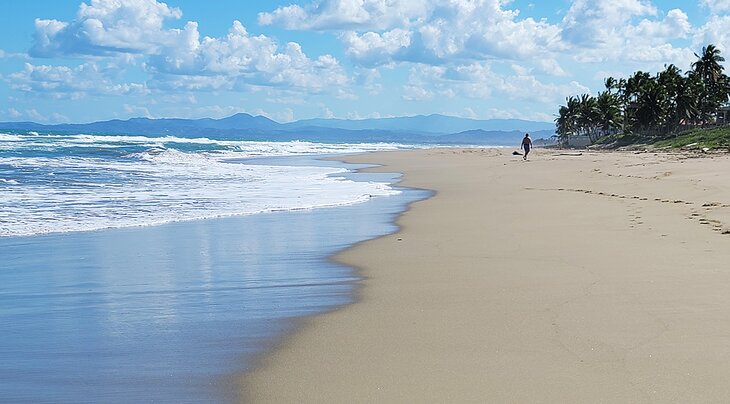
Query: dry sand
600, 277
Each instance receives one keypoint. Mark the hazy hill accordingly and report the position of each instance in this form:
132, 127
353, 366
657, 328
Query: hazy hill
238, 121
154, 126
416, 129
495, 138
428, 124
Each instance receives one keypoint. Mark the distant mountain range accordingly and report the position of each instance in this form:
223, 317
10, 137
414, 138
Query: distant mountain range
414, 129
438, 124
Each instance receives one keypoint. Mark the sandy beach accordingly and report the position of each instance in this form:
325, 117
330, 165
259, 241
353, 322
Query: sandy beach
573, 277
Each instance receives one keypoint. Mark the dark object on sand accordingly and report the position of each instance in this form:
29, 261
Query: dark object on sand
516, 153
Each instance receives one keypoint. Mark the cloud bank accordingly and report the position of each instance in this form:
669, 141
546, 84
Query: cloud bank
389, 52
176, 59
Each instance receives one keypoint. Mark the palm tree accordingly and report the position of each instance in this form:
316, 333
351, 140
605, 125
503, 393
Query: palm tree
670, 79
708, 64
566, 122
610, 84
686, 109
710, 72
588, 116
671, 82
634, 86
562, 124
650, 105
609, 112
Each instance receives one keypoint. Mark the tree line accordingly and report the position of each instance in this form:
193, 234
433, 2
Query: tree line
647, 105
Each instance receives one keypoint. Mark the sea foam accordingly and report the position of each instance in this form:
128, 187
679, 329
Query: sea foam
80, 182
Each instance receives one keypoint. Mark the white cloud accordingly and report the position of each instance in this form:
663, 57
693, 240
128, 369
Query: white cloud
179, 59
491, 32
538, 116
282, 96
67, 82
373, 115
377, 32
715, 31
137, 111
373, 49
366, 76
59, 118
632, 31
511, 113
717, 6
551, 66
594, 22
32, 114
497, 113
348, 14
188, 83
13, 55
239, 59
466, 113
477, 80
35, 115
369, 80
520, 70
439, 32
342, 94
106, 27
416, 93
482, 50
675, 25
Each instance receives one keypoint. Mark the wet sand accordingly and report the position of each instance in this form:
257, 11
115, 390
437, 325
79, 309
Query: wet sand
167, 313
578, 277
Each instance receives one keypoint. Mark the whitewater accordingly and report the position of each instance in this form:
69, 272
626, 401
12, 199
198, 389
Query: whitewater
54, 183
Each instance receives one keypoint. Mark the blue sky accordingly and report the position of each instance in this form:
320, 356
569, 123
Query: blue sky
81, 61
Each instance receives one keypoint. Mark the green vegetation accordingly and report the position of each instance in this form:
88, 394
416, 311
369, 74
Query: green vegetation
700, 138
669, 109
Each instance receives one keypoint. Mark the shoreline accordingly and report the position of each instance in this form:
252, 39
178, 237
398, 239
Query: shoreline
300, 322
561, 279
183, 306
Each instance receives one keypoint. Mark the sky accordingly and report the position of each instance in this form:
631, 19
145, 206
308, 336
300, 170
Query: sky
81, 61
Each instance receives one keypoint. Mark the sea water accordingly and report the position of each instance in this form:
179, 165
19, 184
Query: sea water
99, 302
60, 182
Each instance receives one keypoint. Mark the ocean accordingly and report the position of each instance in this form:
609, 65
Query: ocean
60, 183
138, 269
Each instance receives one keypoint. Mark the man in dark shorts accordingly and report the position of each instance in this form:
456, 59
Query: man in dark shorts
526, 145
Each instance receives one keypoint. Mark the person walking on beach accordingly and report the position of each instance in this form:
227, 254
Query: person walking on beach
526, 145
